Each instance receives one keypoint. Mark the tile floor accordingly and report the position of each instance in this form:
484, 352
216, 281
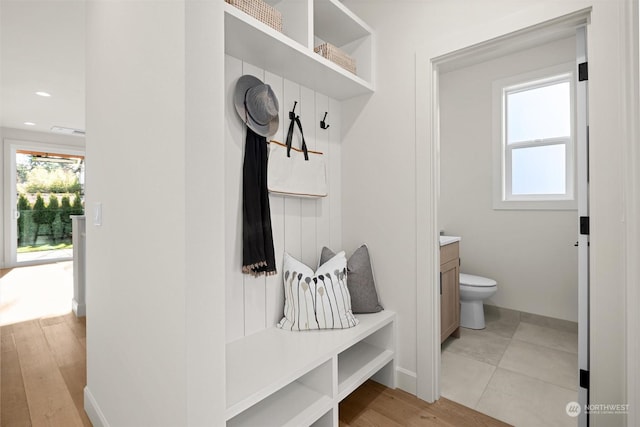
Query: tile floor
521, 369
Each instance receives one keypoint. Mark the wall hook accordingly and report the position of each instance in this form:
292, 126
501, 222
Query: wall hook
292, 113
323, 124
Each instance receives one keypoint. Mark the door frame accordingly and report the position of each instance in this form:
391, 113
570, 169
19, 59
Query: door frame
428, 69
632, 177
582, 184
10, 200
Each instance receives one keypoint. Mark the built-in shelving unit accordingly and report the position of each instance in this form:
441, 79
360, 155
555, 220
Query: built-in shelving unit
306, 23
285, 378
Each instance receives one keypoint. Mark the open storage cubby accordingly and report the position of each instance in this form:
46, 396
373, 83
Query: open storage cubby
361, 361
335, 24
305, 24
301, 402
287, 378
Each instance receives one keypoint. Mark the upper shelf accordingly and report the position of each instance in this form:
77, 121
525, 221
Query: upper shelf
252, 41
334, 23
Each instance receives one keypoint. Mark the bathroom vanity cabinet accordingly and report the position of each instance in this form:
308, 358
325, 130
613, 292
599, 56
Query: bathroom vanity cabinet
449, 291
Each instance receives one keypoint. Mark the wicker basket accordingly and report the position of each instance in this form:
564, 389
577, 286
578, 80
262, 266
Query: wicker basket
261, 11
337, 56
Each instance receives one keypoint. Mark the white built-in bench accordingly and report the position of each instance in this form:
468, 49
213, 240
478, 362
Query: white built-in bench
283, 378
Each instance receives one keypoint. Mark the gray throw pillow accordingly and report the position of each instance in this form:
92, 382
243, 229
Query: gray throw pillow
362, 287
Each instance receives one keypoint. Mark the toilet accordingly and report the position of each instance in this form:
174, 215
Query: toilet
474, 290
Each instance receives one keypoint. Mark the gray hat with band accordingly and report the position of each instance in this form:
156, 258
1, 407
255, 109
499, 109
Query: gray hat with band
257, 105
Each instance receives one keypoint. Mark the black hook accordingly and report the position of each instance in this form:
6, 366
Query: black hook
292, 113
323, 124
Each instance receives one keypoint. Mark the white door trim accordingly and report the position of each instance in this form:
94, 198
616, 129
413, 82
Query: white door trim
632, 214
582, 169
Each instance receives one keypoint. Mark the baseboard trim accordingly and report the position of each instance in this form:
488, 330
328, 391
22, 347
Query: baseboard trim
407, 380
80, 310
93, 410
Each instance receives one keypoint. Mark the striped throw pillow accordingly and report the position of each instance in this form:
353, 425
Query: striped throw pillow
316, 300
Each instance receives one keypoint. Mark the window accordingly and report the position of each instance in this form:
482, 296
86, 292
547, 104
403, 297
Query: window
534, 149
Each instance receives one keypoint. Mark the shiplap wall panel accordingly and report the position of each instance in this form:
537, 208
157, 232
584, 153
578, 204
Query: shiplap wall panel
275, 291
254, 287
292, 205
335, 175
323, 237
233, 152
308, 206
300, 226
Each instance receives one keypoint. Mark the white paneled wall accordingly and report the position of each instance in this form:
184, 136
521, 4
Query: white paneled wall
300, 226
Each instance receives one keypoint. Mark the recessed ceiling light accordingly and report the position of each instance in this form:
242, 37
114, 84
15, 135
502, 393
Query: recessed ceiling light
29, 123
45, 94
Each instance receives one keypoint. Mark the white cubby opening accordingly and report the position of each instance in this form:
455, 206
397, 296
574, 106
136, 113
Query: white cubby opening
301, 402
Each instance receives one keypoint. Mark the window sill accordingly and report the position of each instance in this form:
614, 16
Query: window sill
535, 205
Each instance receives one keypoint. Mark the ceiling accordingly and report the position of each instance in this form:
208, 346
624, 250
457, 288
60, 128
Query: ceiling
42, 48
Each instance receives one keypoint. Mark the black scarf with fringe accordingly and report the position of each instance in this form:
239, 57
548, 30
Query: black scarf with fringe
258, 256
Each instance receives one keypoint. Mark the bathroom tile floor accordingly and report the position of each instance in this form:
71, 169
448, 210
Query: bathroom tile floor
521, 369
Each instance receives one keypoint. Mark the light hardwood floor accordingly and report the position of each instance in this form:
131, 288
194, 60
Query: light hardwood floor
376, 405
43, 373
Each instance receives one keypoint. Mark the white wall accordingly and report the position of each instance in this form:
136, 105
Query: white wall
381, 197
531, 254
35, 140
301, 227
155, 313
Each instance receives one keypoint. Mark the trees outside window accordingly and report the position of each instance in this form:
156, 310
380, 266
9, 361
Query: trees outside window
49, 193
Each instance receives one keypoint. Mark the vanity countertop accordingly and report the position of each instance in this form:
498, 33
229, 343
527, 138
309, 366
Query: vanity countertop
447, 240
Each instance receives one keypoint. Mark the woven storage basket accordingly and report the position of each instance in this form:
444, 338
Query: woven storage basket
336, 55
260, 10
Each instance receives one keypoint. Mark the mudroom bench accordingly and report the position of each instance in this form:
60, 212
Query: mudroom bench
284, 378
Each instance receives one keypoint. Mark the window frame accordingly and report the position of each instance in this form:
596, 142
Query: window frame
503, 198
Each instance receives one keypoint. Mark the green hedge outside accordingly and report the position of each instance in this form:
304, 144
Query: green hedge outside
41, 225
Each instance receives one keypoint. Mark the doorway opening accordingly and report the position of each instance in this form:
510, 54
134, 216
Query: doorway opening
430, 383
46, 189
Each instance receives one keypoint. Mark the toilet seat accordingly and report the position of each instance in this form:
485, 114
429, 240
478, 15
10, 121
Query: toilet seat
476, 281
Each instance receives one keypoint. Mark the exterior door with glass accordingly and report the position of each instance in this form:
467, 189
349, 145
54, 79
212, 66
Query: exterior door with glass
45, 188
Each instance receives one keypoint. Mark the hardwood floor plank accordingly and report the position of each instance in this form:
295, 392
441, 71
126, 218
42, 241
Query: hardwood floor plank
75, 376
64, 345
372, 401
371, 418
6, 342
13, 399
22, 328
77, 324
447, 409
50, 403
386, 401
48, 321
